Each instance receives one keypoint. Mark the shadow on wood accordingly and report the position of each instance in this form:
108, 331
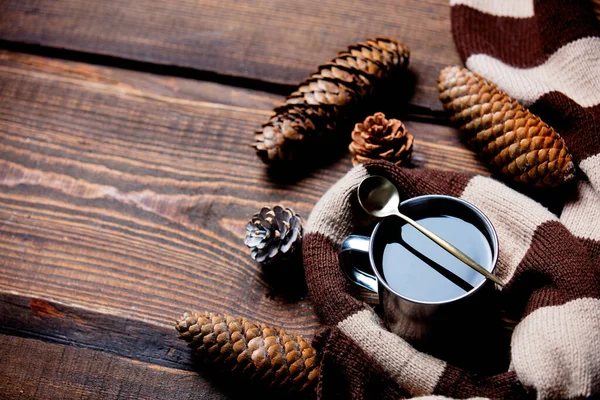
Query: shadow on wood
236, 386
286, 279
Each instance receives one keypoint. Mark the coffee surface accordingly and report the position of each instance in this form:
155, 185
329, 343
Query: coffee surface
419, 269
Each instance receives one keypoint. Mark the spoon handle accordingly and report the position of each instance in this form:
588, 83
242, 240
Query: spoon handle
451, 249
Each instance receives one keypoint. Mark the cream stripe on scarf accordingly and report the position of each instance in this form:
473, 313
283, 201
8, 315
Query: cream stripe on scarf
416, 372
514, 216
591, 167
574, 328
582, 216
332, 215
572, 70
500, 8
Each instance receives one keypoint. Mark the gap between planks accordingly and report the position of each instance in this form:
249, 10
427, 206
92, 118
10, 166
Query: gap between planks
414, 112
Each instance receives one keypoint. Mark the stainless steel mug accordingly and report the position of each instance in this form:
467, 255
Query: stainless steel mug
417, 321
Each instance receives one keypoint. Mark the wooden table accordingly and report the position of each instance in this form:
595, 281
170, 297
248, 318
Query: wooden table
126, 175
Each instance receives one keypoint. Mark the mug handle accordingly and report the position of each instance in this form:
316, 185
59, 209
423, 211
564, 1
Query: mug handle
350, 246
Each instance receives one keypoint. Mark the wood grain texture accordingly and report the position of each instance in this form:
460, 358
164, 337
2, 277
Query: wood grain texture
134, 349
50, 321
129, 201
32, 369
119, 194
270, 40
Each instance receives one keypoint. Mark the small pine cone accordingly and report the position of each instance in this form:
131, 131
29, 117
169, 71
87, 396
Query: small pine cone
257, 351
273, 234
328, 97
378, 138
515, 142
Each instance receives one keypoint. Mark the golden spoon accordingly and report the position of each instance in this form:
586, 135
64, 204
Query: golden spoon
380, 198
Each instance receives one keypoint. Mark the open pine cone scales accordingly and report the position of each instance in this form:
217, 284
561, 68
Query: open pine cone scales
264, 353
378, 138
273, 233
515, 142
327, 97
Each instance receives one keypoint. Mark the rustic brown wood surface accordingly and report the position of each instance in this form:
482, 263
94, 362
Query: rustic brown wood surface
67, 372
269, 40
125, 186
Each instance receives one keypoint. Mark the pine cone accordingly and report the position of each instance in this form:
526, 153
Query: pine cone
257, 351
515, 142
378, 138
273, 234
328, 97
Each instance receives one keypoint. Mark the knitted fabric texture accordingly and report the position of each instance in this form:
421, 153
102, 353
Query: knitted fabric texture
544, 54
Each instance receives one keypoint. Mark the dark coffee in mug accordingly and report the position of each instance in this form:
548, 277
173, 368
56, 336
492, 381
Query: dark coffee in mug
420, 270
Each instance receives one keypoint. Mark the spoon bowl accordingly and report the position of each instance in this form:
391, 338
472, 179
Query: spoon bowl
378, 196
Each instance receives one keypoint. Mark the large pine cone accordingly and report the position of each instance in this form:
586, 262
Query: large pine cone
260, 352
515, 142
327, 97
273, 234
378, 138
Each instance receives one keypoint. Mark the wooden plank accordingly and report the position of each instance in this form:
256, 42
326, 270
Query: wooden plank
135, 350
32, 369
119, 194
269, 40
126, 200
49, 321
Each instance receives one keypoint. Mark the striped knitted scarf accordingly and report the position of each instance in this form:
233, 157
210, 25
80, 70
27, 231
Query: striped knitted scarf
545, 54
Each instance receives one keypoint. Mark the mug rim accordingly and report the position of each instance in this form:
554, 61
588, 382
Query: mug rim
477, 211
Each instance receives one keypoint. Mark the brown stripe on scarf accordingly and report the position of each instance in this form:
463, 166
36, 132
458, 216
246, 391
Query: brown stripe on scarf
549, 275
564, 21
522, 42
593, 248
419, 182
327, 284
458, 383
478, 32
579, 126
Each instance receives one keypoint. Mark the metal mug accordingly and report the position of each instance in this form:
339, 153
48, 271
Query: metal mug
420, 322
